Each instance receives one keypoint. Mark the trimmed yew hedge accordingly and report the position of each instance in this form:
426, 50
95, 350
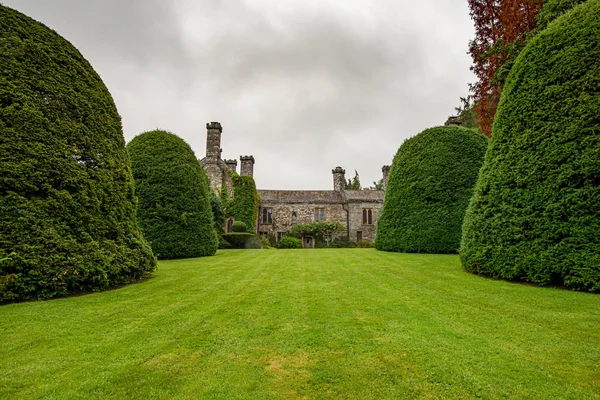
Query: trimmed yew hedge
535, 215
67, 205
429, 187
174, 207
553, 9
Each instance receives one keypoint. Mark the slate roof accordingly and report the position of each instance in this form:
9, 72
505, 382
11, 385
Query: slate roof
320, 196
300, 196
365, 195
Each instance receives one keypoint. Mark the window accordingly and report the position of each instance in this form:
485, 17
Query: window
281, 235
229, 227
358, 236
294, 218
367, 216
267, 215
319, 214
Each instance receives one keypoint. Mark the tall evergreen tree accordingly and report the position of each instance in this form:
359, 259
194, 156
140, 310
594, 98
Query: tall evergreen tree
67, 205
174, 206
535, 214
429, 187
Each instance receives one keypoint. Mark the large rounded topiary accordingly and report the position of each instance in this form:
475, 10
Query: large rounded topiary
429, 187
535, 214
174, 207
67, 206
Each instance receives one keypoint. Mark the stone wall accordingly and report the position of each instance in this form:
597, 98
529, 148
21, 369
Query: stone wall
215, 176
356, 220
305, 214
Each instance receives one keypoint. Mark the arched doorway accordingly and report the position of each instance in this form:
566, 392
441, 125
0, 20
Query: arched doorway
308, 242
229, 225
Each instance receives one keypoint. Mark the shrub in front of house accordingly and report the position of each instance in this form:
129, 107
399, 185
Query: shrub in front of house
174, 207
239, 226
67, 204
342, 242
289, 242
535, 214
218, 213
430, 183
243, 240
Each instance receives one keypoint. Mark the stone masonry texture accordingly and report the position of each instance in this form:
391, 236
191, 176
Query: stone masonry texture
345, 206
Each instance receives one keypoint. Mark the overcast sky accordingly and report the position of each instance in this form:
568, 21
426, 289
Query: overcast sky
303, 85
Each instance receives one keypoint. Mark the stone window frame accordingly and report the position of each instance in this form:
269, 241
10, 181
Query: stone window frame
359, 236
319, 214
367, 216
266, 216
294, 218
281, 235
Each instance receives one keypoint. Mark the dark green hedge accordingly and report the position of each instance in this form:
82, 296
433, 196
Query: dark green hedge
218, 213
174, 208
429, 187
242, 240
244, 205
535, 215
553, 9
67, 206
239, 226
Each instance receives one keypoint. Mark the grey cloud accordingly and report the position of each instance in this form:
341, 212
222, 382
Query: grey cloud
303, 87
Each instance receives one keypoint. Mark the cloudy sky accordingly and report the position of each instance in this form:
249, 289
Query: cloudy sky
303, 85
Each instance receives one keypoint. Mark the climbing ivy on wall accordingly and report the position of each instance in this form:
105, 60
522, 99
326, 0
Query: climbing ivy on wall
67, 205
245, 202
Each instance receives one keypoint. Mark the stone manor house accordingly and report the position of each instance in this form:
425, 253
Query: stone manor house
279, 210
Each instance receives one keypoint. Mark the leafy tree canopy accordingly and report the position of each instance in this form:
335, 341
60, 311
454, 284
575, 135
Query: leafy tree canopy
353, 183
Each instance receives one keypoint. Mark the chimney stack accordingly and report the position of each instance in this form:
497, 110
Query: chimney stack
339, 179
386, 171
231, 164
213, 142
247, 166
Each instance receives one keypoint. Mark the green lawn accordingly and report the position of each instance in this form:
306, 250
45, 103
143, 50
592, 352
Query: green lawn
347, 323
